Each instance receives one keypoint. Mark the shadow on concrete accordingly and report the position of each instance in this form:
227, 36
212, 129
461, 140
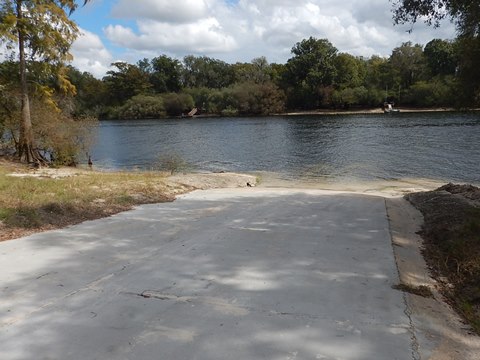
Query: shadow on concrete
214, 275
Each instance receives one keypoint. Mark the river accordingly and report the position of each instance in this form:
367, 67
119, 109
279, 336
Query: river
437, 146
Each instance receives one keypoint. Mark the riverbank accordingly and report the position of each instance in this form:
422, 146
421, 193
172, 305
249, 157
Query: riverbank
370, 111
36, 200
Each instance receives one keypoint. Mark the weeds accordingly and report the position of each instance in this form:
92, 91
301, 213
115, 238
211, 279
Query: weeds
44, 203
172, 163
451, 234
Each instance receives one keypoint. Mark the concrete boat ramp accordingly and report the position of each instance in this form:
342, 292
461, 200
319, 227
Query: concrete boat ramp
218, 274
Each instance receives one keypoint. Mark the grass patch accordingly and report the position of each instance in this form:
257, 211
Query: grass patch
38, 203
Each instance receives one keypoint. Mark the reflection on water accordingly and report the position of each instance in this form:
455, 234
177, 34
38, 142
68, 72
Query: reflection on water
440, 146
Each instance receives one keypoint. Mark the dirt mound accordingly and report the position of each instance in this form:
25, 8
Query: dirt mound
451, 234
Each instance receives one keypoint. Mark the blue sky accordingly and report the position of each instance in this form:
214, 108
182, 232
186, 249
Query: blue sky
235, 30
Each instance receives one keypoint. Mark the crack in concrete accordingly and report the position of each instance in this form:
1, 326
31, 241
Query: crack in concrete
220, 303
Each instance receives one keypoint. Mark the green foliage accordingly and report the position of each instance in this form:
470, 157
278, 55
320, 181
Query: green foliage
39, 30
312, 64
125, 82
201, 97
23, 217
177, 104
408, 64
350, 97
257, 99
431, 94
258, 71
316, 76
441, 57
469, 71
165, 74
47, 30
141, 107
311, 68
466, 15
350, 71
91, 94
206, 72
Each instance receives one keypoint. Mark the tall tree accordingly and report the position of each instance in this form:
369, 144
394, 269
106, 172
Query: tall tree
350, 71
407, 64
125, 82
206, 72
165, 74
310, 73
40, 30
441, 57
466, 15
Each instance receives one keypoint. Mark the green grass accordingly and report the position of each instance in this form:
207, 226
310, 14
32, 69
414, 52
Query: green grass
34, 203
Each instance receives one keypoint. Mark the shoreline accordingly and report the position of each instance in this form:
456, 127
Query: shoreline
318, 112
365, 111
372, 111
204, 180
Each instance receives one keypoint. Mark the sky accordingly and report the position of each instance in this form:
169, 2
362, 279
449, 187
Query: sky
236, 30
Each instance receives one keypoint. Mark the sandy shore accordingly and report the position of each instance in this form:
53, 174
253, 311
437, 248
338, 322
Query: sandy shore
181, 182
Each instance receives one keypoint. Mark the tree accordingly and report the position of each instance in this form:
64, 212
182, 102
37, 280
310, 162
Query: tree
313, 62
310, 71
251, 98
91, 93
41, 30
258, 71
407, 64
125, 82
165, 74
350, 71
206, 72
466, 15
441, 57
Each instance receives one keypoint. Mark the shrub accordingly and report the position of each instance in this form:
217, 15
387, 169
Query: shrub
140, 107
177, 104
258, 99
172, 163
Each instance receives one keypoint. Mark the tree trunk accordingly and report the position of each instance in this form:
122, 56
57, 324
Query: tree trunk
26, 151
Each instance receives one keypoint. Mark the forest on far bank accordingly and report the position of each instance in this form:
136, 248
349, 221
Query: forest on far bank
317, 76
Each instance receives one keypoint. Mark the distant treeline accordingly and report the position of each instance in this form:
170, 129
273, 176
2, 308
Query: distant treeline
316, 76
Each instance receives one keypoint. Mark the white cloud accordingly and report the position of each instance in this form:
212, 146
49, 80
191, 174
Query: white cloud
90, 54
202, 36
243, 30
178, 11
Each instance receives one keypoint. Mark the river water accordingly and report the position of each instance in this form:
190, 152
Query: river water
437, 146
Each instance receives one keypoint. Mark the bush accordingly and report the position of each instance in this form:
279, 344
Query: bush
430, 94
140, 107
177, 104
58, 136
201, 97
172, 163
258, 99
